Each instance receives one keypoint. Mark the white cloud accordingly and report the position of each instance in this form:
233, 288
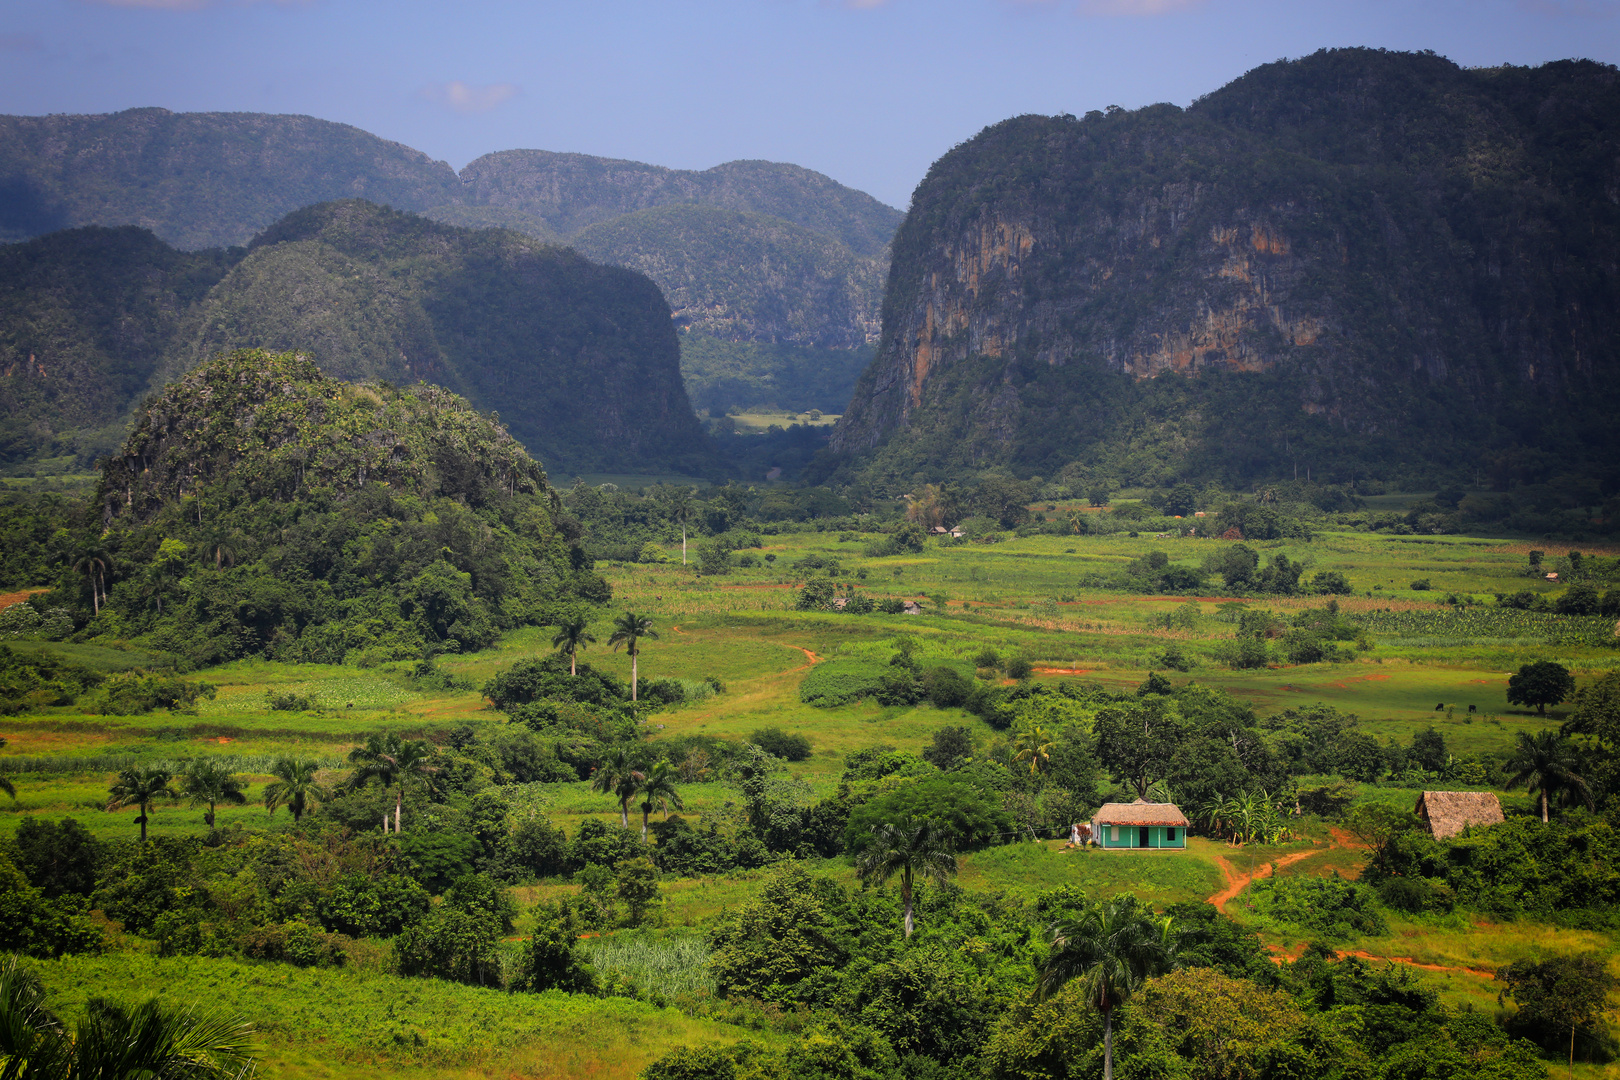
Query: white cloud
1135, 8
466, 98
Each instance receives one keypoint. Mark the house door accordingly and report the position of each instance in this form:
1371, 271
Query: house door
1142, 837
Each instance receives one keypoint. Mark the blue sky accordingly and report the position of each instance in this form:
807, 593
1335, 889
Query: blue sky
869, 91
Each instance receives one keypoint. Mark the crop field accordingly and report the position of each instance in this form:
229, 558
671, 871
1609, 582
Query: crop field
1424, 663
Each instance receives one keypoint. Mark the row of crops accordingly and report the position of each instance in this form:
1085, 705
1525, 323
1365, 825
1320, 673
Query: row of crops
1491, 624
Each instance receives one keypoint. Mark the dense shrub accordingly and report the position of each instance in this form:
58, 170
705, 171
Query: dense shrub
1332, 907
969, 816
779, 743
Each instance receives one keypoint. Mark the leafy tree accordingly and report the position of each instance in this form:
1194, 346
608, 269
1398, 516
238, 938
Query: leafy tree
208, 783
36, 925
8, 787
451, 943
141, 786
952, 746
910, 848
1546, 763
551, 960
619, 775
94, 562
571, 636
393, 762
636, 886
628, 630
1540, 684
964, 813
295, 786
1113, 949
57, 858
1559, 994
110, 1042
784, 945
679, 501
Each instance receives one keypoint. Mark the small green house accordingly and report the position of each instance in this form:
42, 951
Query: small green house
1139, 826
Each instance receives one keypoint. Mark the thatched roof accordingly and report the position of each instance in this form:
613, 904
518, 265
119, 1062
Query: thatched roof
1141, 813
1447, 813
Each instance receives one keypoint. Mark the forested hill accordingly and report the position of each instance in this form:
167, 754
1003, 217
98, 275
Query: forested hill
580, 359
263, 508
1358, 263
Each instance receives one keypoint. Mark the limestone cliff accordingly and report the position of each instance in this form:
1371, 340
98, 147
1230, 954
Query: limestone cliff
1376, 256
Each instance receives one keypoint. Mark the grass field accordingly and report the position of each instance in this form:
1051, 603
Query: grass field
1020, 597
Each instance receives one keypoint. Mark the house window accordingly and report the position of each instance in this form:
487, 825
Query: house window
1170, 836
1113, 833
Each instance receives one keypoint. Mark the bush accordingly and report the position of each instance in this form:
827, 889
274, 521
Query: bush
1019, 668
134, 693
780, 744
840, 682
1335, 908
287, 701
1420, 585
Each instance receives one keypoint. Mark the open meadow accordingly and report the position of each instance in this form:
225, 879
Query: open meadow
1418, 662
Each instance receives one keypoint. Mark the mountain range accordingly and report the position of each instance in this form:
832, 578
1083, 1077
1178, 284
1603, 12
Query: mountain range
748, 253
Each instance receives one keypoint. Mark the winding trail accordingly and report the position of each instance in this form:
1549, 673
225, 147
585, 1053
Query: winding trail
1236, 881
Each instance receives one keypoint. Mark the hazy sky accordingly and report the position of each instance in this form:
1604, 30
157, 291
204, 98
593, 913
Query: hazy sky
869, 91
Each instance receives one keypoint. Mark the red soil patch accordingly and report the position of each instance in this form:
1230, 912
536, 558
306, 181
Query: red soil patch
7, 599
808, 655
1343, 839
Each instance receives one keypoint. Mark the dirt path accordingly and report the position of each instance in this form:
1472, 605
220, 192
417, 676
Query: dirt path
1485, 973
1236, 882
7, 599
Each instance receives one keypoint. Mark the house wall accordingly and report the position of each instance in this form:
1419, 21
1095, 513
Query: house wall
1129, 836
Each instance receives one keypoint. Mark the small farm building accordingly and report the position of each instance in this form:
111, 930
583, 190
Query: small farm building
1447, 813
1140, 824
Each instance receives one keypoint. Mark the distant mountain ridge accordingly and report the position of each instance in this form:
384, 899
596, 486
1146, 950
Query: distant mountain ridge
1358, 261
580, 359
816, 249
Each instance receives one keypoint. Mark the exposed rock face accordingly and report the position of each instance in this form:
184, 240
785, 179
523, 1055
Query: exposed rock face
1364, 236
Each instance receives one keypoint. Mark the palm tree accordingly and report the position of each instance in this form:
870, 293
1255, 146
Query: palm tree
680, 509
146, 1042
628, 629
294, 786
1034, 746
93, 562
658, 789
207, 783
907, 847
1545, 763
390, 760
571, 637
141, 786
618, 776
1115, 948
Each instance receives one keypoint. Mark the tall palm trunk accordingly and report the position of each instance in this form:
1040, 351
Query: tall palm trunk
683, 543
905, 899
399, 801
624, 812
635, 655
1544, 806
573, 659
1108, 1044
143, 822
646, 812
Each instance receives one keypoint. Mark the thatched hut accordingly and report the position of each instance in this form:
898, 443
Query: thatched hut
1447, 813
1140, 825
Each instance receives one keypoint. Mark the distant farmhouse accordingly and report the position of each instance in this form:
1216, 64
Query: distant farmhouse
1447, 813
1140, 824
